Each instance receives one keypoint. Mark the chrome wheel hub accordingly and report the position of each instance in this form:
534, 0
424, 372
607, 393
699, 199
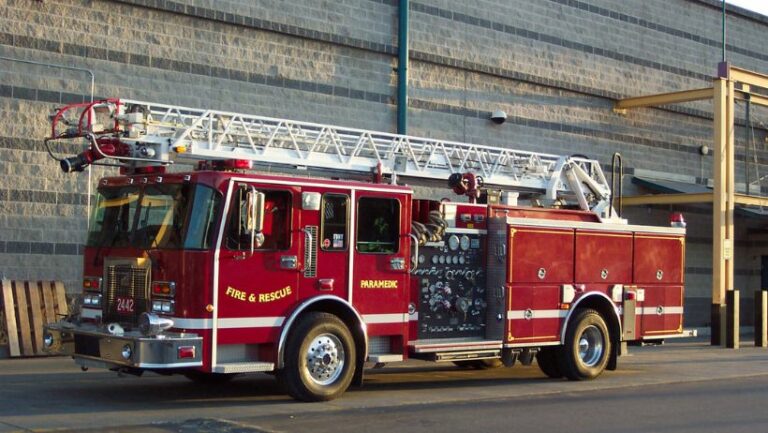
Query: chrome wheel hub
591, 346
325, 359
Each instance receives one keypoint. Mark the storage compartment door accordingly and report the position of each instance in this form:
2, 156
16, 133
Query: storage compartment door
603, 257
659, 259
540, 255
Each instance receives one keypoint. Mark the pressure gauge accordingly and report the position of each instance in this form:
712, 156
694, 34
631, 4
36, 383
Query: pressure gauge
442, 260
422, 259
453, 242
462, 260
455, 260
435, 259
464, 242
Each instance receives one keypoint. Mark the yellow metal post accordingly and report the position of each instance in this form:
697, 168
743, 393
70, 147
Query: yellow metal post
719, 205
730, 204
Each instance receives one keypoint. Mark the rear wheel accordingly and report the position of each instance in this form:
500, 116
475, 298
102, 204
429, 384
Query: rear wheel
319, 359
548, 359
587, 346
479, 364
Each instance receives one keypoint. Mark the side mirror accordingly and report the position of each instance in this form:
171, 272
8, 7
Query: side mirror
252, 215
255, 200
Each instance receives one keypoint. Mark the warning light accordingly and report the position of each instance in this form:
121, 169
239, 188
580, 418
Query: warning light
163, 288
676, 220
186, 352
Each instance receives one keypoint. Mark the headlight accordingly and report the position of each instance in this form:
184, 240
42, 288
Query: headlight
92, 300
48, 339
127, 352
165, 307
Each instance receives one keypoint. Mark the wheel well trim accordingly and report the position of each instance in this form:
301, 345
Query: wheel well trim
575, 307
301, 308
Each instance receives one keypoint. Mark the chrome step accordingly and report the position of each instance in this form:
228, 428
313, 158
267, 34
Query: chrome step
244, 367
454, 344
385, 357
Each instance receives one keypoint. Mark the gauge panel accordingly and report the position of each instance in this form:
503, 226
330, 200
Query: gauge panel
452, 298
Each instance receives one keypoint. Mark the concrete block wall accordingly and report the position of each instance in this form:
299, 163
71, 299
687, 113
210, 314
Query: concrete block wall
555, 66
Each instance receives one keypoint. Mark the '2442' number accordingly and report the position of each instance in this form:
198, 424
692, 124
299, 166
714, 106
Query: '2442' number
125, 305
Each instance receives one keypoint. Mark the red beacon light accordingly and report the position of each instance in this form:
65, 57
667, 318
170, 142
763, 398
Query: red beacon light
677, 220
226, 164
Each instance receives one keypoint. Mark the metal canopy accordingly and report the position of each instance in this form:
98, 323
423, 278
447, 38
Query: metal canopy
723, 197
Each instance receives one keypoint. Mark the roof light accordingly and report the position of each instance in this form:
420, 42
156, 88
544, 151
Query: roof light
676, 220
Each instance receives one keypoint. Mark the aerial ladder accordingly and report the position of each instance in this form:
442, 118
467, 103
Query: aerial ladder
134, 134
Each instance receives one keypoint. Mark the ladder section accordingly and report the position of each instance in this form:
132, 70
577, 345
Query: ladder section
170, 133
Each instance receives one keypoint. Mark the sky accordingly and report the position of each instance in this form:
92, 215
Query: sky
760, 6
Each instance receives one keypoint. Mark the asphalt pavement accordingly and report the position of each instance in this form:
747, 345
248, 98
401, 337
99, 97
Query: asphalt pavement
680, 387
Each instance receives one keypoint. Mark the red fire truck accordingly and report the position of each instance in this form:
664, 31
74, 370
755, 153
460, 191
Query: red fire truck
262, 260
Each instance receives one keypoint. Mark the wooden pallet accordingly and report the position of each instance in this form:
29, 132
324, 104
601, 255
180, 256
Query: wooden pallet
27, 307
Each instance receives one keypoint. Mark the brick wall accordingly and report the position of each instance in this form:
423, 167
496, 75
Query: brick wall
555, 66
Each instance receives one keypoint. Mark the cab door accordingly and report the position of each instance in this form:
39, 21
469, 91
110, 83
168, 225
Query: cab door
257, 283
381, 260
325, 235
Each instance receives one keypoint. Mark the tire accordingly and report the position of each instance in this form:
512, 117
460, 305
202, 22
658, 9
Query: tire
548, 360
319, 359
587, 346
202, 378
479, 364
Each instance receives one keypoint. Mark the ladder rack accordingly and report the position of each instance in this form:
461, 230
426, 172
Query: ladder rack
160, 133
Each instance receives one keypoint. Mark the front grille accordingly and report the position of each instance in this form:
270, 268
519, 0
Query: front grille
126, 288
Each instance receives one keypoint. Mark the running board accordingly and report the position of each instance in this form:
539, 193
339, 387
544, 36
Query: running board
454, 345
244, 367
687, 333
465, 356
385, 357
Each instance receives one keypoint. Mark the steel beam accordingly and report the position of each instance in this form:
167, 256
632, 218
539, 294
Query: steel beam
664, 99
753, 97
691, 198
682, 198
750, 200
747, 77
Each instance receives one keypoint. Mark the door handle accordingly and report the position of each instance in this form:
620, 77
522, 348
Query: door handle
325, 284
289, 262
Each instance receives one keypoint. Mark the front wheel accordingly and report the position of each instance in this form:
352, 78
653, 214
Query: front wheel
319, 359
587, 346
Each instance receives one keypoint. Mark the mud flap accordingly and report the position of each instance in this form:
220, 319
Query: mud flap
628, 326
357, 379
613, 360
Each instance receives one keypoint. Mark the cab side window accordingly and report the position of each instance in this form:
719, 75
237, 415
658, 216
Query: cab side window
378, 225
277, 222
335, 211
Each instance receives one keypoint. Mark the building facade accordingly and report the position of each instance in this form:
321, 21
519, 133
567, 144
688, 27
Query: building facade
554, 66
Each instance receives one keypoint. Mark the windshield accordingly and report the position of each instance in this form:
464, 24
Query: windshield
155, 216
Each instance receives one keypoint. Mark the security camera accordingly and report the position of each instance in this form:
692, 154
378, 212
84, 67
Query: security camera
498, 117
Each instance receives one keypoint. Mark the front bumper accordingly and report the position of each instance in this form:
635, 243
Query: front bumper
93, 345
